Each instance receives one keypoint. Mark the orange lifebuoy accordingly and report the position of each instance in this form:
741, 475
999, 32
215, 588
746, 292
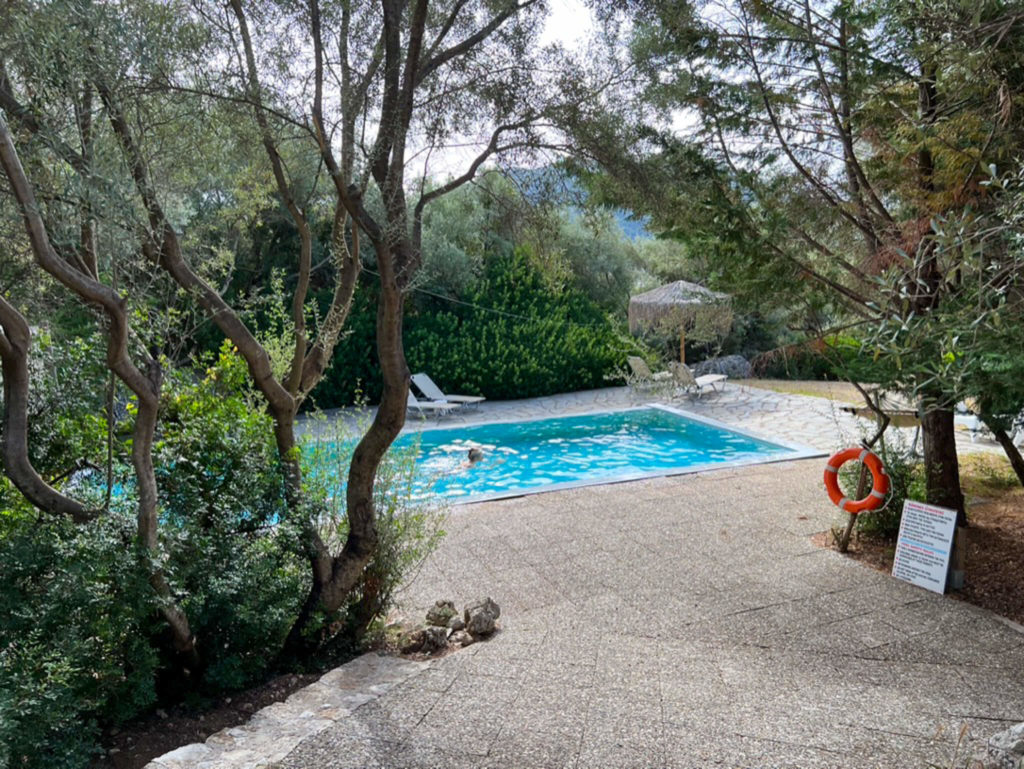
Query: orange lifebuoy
879, 486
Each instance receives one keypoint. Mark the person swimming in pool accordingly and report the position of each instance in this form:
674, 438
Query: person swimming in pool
475, 456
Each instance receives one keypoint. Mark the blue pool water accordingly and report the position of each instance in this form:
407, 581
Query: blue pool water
520, 457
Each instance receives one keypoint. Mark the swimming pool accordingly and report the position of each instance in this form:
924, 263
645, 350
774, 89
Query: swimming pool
562, 452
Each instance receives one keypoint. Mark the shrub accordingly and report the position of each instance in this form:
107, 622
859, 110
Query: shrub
75, 617
82, 645
511, 336
754, 333
75, 621
67, 420
832, 357
222, 494
409, 521
906, 479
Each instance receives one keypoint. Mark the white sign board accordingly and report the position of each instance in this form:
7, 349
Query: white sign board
924, 544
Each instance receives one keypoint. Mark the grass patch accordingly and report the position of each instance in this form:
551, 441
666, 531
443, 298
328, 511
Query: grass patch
986, 475
842, 392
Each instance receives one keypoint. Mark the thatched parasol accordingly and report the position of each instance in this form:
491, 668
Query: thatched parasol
682, 307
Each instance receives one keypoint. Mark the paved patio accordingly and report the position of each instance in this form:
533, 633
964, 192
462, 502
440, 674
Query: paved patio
678, 622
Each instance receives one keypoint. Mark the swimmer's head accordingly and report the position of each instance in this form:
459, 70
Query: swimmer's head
475, 454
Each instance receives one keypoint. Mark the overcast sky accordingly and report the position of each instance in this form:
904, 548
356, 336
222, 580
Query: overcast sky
569, 23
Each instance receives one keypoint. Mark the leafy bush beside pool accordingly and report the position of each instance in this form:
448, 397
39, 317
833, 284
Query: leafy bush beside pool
81, 645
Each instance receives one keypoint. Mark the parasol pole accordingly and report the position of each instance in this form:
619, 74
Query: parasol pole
682, 345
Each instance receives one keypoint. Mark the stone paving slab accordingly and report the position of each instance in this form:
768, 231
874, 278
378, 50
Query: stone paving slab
677, 622
813, 421
345, 694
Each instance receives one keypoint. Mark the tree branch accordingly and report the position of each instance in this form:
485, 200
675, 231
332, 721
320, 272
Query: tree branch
145, 386
10, 104
294, 377
15, 341
440, 59
161, 245
825, 251
842, 124
453, 184
349, 196
445, 29
800, 167
348, 265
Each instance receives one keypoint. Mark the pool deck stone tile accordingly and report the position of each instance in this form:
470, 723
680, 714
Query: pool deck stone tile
670, 622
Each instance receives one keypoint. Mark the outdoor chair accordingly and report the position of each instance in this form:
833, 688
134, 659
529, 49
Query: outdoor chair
431, 407
690, 384
964, 416
642, 376
431, 391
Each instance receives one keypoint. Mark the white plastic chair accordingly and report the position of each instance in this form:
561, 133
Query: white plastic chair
430, 407
426, 386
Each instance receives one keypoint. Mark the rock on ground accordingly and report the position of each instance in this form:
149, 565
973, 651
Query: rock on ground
412, 641
733, 366
481, 617
1005, 750
434, 638
441, 612
461, 638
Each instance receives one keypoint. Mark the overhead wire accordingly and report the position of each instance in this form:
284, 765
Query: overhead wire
491, 310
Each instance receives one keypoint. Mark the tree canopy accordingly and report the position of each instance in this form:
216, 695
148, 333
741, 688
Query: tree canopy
846, 151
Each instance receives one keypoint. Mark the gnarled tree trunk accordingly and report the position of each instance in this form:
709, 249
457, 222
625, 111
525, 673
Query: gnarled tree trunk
15, 341
1004, 439
145, 386
334, 578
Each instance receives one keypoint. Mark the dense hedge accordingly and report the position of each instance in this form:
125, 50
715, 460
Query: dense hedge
512, 335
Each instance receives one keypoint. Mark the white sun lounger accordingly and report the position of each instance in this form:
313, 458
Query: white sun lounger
426, 386
430, 407
963, 416
699, 385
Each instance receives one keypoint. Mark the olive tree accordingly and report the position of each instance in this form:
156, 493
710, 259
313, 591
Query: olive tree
368, 94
